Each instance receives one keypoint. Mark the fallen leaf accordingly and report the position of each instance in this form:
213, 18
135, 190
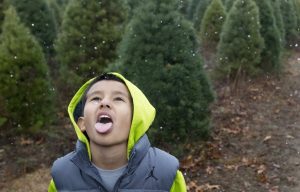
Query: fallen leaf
231, 131
261, 169
261, 174
291, 102
210, 187
290, 137
24, 141
292, 180
209, 170
254, 89
267, 138
246, 161
188, 162
276, 165
206, 187
274, 189
262, 178
192, 185
247, 184
40, 141
232, 167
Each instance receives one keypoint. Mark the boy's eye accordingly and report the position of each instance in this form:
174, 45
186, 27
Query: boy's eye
119, 99
95, 99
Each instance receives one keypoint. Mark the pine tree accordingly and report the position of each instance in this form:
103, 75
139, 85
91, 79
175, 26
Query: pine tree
297, 8
289, 20
212, 23
57, 12
39, 19
24, 79
63, 3
184, 6
89, 35
191, 9
159, 54
279, 19
3, 119
241, 43
228, 4
199, 13
132, 5
270, 56
3, 6
1, 13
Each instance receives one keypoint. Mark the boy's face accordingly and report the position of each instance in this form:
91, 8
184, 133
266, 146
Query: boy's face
107, 113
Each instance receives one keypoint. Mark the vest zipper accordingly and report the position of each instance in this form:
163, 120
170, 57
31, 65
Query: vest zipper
100, 186
126, 172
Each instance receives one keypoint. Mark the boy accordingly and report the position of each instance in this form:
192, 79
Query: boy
111, 116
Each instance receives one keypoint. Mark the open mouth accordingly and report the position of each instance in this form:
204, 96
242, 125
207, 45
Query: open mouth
104, 124
105, 119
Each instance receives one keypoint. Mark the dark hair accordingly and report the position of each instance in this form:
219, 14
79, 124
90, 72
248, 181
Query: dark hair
78, 112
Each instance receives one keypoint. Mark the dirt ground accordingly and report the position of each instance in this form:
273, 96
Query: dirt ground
255, 146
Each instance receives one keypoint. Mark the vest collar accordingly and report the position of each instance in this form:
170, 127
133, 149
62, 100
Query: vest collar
82, 161
138, 152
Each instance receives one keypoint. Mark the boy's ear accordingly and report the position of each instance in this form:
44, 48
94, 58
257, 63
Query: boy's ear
80, 124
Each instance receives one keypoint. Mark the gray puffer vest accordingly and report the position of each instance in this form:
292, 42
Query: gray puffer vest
149, 170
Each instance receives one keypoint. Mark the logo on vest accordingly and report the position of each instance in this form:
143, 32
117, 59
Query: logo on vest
151, 174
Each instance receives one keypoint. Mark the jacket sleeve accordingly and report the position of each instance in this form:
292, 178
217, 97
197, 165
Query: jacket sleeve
52, 187
179, 183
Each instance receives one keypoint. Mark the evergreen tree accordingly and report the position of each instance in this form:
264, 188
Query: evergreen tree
132, 5
63, 3
159, 54
24, 79
57, 12
184, 6
89, 35
3, 6
270, 56
279, 19
199, 13
297, 8
289, 20
212, 23
1, 12
191, 9
241, 43
228, 4
39, 19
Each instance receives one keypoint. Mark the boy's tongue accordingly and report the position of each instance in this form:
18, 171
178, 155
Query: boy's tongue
103, 127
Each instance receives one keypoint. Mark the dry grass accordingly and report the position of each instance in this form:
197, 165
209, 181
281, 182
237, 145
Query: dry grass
33, 182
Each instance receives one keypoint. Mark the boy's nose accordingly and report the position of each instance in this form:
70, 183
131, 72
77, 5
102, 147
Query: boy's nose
104, 103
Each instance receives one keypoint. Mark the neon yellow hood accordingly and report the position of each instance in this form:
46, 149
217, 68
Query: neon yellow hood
143, 114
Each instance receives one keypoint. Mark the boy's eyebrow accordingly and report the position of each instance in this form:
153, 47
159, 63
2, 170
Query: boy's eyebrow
92, 93
121, 93
114, 92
